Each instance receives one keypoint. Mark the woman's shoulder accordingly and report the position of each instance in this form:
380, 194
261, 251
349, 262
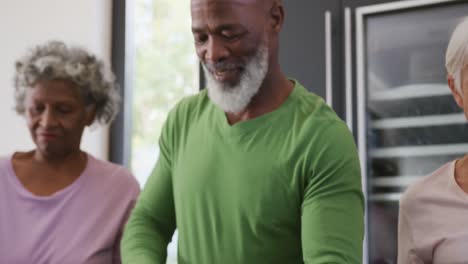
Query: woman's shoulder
117, 174
5, 161
428, 188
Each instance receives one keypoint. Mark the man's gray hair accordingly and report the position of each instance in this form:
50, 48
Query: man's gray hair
457, 52
55, 61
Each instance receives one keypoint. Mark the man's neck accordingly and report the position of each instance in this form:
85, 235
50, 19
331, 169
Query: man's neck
272, 94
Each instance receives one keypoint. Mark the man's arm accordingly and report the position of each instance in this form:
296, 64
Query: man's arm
152, 221
333, 204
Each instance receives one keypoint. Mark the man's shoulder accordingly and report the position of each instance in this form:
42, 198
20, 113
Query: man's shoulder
313, 107
199, 99
318, 128
314, 115
190, 105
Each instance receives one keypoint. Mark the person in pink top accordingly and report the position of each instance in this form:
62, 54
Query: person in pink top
434, 211
59, 204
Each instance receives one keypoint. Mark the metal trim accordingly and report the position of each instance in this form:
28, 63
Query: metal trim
361, 121
386, 197
328, 60
385, 7
348, 69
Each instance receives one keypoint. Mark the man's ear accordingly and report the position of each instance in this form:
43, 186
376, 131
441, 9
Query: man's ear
90, 112
455, 92
277, 15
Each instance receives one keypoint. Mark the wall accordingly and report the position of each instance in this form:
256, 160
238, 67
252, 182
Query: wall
24, 23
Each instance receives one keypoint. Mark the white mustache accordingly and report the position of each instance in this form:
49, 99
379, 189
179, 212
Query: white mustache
223, 66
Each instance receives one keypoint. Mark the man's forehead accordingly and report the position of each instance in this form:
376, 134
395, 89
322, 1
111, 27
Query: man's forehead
216, 12
233, 2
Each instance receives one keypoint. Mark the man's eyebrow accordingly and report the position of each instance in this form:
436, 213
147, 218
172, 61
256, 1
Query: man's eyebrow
219, 28
197, 29
228, 27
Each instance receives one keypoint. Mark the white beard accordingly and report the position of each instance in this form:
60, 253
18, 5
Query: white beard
235, 98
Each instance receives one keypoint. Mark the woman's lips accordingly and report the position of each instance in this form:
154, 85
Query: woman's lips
48, 136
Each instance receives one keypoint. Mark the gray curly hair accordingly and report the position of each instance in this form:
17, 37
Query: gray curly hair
54, 60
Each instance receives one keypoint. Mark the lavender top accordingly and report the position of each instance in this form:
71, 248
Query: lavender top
81, 223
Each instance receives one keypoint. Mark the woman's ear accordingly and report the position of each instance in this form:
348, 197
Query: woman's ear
455, 92
90, 112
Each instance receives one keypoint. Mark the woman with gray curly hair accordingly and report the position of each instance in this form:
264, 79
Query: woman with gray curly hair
59, 204
434, 211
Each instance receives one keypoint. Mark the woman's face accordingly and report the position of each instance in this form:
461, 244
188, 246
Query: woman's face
461, 97
56, 117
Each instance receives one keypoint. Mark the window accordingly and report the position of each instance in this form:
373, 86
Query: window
165, 70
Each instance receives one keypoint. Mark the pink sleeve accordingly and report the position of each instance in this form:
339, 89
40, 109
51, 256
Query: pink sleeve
116, 259
406, 247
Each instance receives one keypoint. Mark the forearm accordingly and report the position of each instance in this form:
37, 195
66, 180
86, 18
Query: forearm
152, 221
145, 239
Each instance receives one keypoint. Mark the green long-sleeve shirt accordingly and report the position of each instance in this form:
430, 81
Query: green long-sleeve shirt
281, 188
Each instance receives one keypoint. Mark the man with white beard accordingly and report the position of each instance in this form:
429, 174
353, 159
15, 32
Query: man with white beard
233, 98
254, 169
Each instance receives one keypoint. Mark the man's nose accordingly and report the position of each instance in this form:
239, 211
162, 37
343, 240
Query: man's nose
216, 50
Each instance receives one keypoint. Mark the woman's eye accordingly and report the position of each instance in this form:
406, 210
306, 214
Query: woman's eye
37, 109
64, 109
